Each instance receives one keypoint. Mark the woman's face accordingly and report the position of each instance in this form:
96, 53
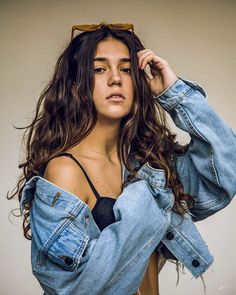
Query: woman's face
113, 87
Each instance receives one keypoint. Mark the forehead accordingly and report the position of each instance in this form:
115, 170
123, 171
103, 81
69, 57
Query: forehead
112, 47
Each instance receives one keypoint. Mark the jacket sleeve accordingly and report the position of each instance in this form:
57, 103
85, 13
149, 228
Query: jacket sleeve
208, 169
112, 263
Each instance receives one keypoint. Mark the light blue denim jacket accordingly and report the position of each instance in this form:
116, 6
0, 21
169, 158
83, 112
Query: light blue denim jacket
70, 255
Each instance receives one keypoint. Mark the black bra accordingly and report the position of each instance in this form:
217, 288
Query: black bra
102, 212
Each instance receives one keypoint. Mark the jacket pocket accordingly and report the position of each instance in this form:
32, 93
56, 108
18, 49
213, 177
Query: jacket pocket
67, 246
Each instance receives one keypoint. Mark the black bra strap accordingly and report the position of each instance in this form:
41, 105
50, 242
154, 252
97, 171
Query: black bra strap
89, 181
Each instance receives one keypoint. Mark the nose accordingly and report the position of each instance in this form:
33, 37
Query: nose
115, 78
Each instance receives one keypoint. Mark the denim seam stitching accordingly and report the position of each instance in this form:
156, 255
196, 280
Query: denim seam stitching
169, 106
213, 169
189, 246
57, 234
81, 249
197, 133
136, 259
156, 183
210, 204
72, 214
164, 92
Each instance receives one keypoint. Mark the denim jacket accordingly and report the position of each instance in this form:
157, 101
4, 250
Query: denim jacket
70, 255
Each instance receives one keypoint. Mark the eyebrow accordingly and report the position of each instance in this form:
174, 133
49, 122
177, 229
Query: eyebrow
104, 59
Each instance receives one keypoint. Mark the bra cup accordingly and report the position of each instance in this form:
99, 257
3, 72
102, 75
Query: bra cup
103, 213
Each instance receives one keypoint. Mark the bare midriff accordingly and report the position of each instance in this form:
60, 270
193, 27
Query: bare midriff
149, 285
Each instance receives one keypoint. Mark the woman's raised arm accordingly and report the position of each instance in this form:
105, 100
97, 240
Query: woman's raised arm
208, 169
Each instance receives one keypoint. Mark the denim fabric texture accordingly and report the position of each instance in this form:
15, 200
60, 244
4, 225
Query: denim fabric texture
70, 255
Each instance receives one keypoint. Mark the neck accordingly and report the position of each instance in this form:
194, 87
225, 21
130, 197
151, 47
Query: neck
102, 141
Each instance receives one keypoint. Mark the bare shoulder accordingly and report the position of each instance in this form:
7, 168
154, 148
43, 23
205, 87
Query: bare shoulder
65, 173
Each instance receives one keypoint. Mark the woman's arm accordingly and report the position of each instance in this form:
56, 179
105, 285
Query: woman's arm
208, 169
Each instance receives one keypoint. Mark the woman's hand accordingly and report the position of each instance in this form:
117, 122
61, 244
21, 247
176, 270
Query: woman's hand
163, 75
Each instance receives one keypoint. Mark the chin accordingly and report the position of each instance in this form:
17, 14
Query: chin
112, 117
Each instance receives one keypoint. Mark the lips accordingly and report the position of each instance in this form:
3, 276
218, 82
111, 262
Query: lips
116, 95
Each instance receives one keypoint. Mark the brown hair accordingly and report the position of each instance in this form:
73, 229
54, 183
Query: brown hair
65, 115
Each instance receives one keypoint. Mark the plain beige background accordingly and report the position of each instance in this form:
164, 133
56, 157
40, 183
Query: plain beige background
199, 41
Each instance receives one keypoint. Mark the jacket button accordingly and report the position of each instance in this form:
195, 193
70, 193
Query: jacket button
170, 236
68, 261
195, 263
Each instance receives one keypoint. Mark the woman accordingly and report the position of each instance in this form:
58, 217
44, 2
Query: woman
107, 192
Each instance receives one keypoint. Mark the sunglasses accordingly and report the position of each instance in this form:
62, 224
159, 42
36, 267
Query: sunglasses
93, 27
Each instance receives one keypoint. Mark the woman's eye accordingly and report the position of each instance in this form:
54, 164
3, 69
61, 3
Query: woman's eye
127, 70
98, 70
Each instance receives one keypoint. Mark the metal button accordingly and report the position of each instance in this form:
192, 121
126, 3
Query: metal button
195, 263
170, 236
55, 198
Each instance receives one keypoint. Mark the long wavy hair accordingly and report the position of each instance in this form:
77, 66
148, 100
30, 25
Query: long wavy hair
65, 115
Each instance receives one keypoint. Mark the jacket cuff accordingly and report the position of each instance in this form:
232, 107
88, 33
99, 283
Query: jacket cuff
175, 93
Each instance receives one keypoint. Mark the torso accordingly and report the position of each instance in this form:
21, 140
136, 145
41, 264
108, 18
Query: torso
149, 285
107, 177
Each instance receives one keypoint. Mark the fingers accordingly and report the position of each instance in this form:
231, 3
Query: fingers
144, 56
162, 74
147, 56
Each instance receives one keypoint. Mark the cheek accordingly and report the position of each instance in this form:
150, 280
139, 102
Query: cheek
131, 88
98, 88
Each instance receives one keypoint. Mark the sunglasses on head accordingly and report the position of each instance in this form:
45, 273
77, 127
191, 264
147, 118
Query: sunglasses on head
94, 27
